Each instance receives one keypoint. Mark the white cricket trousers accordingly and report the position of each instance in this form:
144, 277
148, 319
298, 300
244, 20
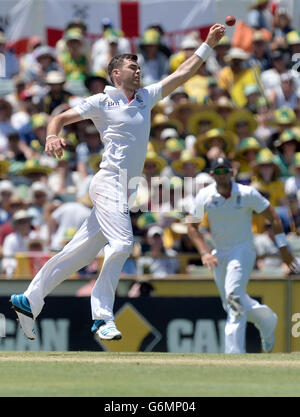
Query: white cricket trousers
108, 227
231, 276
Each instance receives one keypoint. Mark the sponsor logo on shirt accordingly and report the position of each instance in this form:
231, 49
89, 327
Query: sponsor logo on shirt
238, 202
109, 103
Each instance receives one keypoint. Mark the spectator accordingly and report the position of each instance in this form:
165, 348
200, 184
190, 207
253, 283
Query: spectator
285, 95
292, 184
91, 145
216, 61
33, 170
200, 122
45, 60
257, 18
5, 124
187, 48
271, 78
216, 143
154, 64
68, 216
16, 241
11, 206
252, 94
246, 157
74, 60
159, 123
100, 46
260, 56
7, 190
266, 173
287, 145
101, 61
282, 23
95, 82
11, 61
242, 122
77, 24
27, 60
158, 262
235, 76
56, 95
268, 254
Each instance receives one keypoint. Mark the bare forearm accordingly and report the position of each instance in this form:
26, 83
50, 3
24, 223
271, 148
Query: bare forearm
198, 240
55, 125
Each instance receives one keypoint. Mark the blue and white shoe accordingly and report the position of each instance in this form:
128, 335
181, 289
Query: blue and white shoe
22, 308
268, 341
106, 330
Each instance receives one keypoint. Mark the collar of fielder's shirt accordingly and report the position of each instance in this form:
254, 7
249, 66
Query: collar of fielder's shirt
115, 92
234, 189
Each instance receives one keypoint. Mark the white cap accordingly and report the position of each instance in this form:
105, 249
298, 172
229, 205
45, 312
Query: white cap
189, 42
169, 132
6, 185
21, 215
40, 186
154, 230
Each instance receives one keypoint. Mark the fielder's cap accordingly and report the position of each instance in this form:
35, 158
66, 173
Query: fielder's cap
220, 163
154, 230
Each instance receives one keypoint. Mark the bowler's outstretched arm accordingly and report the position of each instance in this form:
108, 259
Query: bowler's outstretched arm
189, 67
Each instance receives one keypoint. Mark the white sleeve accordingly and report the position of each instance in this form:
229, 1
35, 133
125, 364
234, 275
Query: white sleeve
155, 93
197, 207
90, 107
257, 202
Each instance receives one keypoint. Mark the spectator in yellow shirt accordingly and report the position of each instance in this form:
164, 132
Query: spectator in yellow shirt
236, 76
266, 174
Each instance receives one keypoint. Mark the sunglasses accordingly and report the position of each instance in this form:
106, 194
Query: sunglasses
219, 171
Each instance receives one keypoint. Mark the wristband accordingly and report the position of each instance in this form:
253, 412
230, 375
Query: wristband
280, 240
51, 136
203, 51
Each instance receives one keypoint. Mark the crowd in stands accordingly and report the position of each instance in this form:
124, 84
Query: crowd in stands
243, 103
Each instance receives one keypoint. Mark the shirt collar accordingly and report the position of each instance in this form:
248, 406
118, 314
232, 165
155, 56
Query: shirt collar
234, 189
116, 92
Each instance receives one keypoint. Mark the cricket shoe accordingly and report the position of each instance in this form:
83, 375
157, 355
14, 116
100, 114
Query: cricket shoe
20, 304
106, 330
268, 342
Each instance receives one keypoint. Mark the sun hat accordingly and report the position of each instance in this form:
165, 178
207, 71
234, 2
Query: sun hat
160, 162
216, 121
230, 140
241, 115
186, 156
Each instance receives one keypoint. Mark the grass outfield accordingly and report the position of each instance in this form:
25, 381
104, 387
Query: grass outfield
148, 374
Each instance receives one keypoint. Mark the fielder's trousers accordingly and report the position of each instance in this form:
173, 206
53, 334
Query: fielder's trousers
231, 276
108, 227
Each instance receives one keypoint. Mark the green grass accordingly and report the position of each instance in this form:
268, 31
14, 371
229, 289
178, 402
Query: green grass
148, 374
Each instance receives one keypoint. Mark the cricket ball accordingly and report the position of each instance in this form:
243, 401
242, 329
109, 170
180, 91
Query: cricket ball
230, 20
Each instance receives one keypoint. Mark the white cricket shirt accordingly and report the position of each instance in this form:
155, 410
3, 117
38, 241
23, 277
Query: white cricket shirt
230, 218
124, 125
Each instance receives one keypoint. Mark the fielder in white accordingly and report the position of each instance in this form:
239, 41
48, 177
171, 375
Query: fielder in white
122, 114
229, 207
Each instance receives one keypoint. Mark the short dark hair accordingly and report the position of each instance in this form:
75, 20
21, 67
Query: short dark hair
117, 61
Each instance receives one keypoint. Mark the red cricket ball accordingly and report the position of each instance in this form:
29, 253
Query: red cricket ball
230, 20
